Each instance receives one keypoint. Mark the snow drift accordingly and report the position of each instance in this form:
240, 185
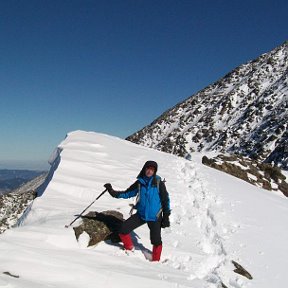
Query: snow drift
215, 219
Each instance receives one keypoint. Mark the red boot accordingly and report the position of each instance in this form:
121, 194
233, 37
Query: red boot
156, 253
127, 241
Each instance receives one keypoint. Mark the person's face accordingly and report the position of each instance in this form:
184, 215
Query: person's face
149, 171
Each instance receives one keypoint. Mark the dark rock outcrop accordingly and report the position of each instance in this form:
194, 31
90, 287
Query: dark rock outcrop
241, 270
259, 174
100, 226
10, 274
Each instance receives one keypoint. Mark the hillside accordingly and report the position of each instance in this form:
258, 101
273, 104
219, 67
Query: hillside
245, 112
215, 219
12, 179
14, 204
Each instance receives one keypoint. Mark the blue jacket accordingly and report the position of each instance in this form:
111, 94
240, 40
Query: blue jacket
151, 200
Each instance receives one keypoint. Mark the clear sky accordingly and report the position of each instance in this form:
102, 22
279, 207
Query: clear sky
114, 66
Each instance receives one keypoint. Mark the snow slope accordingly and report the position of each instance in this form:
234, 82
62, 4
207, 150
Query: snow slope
216, 218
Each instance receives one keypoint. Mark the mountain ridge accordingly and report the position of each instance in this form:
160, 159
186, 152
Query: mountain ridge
244, 112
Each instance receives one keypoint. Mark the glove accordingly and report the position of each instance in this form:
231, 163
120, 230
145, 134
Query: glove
165, 220
110, 190
108, 186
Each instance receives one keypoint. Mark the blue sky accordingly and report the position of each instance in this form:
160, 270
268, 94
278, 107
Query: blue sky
114, 66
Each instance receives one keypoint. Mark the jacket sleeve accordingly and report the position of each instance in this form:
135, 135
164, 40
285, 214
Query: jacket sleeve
129, 192
164, 197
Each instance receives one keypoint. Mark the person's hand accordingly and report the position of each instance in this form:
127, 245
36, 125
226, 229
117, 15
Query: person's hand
165, 220
108, 186
110, 190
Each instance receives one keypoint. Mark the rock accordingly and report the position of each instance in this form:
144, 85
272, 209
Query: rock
240, 270
11, 275
100, 226
12, 207
259, 174
206, 161
284, 188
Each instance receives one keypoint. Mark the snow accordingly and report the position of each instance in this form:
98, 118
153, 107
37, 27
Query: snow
253, 177
241, 166
215, 218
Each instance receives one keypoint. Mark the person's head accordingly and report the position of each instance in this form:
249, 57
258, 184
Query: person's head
149, 169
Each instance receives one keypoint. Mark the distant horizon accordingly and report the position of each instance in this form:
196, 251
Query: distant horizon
25, 165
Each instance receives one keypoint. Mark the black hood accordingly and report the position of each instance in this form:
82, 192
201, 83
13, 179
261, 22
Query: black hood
147, 164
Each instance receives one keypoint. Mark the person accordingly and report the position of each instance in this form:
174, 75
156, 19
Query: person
152, 205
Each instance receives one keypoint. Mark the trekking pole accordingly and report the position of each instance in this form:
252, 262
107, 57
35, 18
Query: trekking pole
66, 226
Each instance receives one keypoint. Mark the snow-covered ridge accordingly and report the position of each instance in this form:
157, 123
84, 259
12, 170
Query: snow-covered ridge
215, 219
245, 112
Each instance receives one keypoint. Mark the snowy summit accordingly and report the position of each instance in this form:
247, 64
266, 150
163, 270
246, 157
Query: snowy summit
216, 219
245, 112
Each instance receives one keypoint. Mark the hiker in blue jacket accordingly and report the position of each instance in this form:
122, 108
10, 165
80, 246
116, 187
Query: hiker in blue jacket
153, 207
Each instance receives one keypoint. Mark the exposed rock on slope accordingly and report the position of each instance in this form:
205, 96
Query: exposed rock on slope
14, 204
245, 112
100, 226
259, 174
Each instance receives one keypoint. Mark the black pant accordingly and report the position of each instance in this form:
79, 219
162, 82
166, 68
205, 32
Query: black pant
135, 221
